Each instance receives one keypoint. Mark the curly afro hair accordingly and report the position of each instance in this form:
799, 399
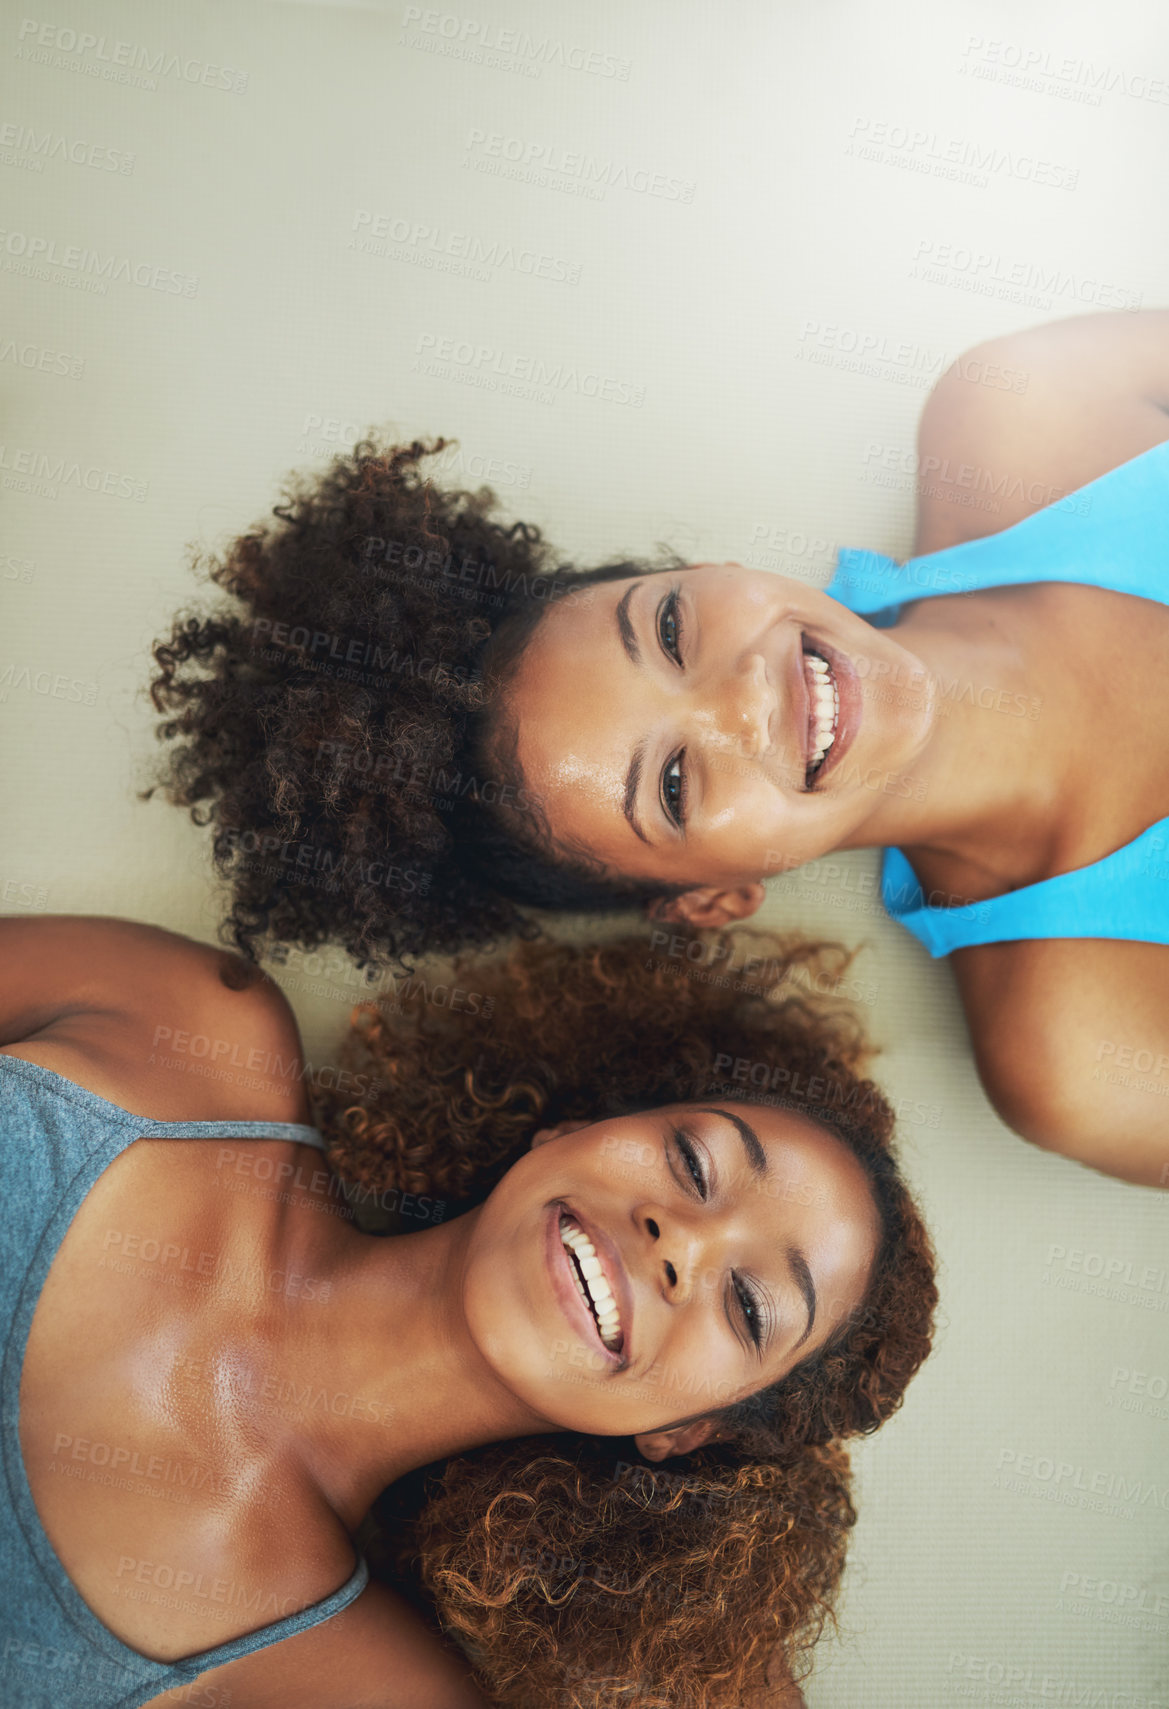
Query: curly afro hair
570, 1570
336, 722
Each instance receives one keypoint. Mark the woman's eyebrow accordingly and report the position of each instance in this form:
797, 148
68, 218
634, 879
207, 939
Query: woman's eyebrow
803, 1275
756, 1156
633, 775
632, 784
625, 627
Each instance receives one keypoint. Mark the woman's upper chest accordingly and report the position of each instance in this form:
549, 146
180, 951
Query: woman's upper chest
1099, 661
1089, 723
163, 1483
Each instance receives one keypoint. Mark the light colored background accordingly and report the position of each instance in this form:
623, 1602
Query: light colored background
752, 438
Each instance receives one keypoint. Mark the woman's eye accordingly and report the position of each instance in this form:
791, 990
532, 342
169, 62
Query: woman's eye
751, 1314
674, 789
670, 626
691, 1163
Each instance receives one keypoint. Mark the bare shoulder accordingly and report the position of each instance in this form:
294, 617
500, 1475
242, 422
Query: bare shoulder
376, 1654
1020, 421
165, 1026
1071, 1038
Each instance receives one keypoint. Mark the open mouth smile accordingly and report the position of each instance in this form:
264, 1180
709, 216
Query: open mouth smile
823, 710
592, 1283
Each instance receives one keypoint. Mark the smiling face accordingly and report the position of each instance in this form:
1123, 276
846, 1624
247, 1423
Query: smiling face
711, 725
733, 1241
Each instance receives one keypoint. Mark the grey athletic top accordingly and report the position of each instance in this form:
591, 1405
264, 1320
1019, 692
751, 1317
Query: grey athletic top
56, 1139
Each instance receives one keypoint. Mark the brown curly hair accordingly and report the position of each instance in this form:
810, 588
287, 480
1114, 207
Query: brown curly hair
338, 723
571, 1571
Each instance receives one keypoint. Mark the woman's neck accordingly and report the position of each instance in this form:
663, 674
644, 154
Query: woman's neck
989, 776
391, 1374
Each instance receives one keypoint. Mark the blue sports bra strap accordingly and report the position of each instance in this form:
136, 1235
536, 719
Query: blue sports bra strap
1120, 897
297, 1132
1108, 534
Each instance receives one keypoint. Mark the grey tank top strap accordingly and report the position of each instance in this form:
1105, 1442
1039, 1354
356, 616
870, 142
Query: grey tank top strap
297, 1132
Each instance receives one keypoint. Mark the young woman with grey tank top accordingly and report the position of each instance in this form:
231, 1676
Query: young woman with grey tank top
707, 1273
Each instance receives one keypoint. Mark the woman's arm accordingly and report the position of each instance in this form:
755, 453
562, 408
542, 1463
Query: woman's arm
1094, 392
166, 1027
377, 1654
1071, 1038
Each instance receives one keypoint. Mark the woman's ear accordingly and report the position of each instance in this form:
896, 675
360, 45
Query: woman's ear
682, 1439
708, 906
543, 1134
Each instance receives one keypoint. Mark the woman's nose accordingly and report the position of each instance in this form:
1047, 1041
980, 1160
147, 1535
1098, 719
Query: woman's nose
678, 1257
747, 707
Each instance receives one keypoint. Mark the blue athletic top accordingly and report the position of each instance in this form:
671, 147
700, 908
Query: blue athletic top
1113, 533
56, 1139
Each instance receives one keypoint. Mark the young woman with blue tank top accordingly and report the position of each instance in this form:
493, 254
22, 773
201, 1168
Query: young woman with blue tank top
994, 713
210, 1373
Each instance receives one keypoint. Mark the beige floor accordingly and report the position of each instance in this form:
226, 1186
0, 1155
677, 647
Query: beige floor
786, 233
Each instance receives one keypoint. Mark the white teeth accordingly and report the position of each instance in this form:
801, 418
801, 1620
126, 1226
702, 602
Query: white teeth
824, 707
599, 1294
